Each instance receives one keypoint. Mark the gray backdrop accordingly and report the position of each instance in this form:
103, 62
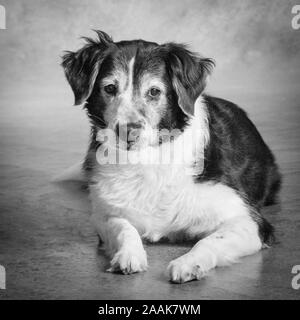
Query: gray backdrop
253, 42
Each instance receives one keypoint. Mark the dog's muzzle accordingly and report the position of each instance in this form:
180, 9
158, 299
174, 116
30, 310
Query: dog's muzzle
129, 133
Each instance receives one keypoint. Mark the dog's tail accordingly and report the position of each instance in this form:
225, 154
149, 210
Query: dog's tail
74, 173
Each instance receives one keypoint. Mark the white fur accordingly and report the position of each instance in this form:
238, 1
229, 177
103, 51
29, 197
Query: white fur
131, 202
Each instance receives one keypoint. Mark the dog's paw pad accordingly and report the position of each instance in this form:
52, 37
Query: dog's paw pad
129, 261
181, 271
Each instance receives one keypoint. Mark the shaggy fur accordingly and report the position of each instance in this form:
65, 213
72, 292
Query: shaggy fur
213, 197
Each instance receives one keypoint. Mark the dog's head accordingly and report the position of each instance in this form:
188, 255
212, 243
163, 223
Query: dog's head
137, 85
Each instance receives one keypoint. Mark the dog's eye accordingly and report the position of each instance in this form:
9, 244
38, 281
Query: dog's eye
154, 92
110, 89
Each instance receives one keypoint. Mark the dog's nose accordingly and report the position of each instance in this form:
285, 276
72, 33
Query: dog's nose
129, 132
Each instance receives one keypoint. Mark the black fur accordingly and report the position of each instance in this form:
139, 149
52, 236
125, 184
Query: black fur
188, 72
236, 154
82, 67
238, 157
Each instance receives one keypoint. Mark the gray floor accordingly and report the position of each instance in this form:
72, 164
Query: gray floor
49, 247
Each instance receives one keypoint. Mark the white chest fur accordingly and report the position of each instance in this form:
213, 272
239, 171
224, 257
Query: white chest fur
162, 199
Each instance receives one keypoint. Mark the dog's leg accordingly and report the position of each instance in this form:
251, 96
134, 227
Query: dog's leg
235, 238
123, 244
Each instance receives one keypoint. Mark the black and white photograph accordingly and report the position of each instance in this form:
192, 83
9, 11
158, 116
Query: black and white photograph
149, 151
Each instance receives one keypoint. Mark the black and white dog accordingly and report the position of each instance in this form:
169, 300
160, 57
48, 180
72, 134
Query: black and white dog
145, 87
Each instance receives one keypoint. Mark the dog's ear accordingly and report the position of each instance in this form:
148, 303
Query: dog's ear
188, 72
81, 67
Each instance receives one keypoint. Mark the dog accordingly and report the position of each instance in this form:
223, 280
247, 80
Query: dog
214, 197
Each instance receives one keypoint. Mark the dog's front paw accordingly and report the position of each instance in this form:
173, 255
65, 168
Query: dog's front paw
182, 270
129, 261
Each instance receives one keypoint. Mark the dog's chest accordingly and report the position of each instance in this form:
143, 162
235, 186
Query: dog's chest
149, 196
